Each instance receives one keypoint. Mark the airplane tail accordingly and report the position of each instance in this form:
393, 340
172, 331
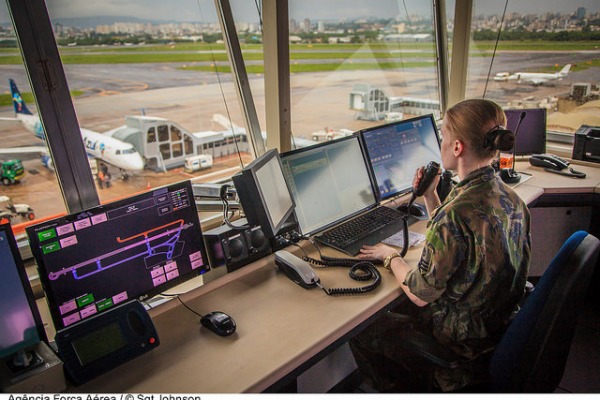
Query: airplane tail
18, 102
563, 72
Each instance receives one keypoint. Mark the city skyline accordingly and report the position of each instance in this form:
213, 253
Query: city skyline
246, 11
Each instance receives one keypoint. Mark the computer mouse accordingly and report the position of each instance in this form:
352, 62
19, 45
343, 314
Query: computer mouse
219, 322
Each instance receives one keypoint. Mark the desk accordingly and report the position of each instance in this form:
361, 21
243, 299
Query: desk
281, 326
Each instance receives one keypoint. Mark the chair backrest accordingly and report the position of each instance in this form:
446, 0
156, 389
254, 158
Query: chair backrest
532, 354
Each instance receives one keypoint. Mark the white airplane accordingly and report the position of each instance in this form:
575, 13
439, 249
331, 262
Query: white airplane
232, 127
534, 78
110, 150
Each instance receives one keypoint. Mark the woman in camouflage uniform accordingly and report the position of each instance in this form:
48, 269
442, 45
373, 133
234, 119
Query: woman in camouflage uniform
473, 269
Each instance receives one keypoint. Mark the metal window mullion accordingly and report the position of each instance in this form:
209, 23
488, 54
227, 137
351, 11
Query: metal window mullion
238, 70
460, 51
276, 46
57, 114
441, 42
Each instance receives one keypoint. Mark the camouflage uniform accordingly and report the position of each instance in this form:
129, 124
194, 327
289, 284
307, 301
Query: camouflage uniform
473, 268
472, 273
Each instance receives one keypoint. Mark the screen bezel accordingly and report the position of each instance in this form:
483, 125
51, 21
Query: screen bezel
318, 147
151, 292
517, 112
362, 133
26, 285
253, 168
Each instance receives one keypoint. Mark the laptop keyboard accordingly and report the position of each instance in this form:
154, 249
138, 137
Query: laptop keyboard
369, 228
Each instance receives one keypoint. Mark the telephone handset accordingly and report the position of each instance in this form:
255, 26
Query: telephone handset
300, 272
555, 164
548, 161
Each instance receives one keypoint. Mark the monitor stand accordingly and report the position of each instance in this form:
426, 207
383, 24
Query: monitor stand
36, 370
23, 361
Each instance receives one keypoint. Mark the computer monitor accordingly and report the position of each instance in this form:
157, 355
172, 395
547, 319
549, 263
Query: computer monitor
531, 137
137, 247
20, 324
264, 193
329, 182
397, 149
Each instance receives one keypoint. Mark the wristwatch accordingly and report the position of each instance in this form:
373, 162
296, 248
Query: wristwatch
388, 260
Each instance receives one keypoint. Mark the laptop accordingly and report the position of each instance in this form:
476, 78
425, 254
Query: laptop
332, 187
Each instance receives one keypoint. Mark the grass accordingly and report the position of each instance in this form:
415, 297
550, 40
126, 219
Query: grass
6, 98
339, 56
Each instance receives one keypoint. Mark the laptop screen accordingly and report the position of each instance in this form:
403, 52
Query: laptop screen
397, 149
329, 183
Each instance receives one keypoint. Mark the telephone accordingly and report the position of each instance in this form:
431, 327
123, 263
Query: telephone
555, 164
300, 272
548, 161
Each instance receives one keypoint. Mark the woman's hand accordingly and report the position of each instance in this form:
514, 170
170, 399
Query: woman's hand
379, 252
417, 179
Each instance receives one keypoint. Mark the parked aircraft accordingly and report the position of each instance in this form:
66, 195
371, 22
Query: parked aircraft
110, 150
534, 78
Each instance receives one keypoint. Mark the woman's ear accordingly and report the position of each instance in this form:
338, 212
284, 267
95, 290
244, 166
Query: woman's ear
458, 147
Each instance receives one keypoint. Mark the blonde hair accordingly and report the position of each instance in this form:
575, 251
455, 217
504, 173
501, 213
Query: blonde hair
472, 120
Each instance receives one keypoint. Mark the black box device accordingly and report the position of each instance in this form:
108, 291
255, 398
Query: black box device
587, 144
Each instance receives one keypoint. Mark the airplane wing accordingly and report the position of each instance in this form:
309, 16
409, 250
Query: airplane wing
42, 150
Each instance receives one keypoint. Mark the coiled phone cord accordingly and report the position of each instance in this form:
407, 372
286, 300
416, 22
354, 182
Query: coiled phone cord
360, 270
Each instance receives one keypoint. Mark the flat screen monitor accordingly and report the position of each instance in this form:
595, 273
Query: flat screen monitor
20, 324
329, 182
264, 193
133, 248
531, 137
397, 149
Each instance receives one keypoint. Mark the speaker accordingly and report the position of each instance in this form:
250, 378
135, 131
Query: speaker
236, 247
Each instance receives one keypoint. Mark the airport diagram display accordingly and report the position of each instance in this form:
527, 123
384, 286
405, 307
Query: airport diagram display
134, 248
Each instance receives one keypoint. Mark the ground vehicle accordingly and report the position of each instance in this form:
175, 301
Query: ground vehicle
11, 171
196, 163
13, 210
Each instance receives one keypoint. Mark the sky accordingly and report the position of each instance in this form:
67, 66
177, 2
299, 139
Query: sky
246, 10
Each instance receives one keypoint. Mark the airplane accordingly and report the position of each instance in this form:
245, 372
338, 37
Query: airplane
534, 78
232, 127
110, 150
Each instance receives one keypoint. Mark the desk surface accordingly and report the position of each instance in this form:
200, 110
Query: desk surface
281, 326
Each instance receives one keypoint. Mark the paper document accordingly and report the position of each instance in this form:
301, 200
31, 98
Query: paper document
397, 239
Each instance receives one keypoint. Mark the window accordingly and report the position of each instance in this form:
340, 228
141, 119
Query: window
163, 133
151, 138
543, 59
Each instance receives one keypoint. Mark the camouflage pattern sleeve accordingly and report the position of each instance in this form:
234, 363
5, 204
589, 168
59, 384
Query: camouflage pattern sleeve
446, 250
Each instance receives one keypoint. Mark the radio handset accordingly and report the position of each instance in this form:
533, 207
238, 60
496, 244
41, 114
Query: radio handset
431, 171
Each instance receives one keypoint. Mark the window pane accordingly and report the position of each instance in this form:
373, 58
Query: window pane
354, 63
538, 40
146, 76
27, 181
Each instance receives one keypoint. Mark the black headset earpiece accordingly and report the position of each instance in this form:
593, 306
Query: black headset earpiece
489, 140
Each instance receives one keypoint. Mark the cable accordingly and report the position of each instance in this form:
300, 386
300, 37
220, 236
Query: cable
181, 301
495, 47
360, 270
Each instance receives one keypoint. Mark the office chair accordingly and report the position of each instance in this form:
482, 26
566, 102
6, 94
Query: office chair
533, 351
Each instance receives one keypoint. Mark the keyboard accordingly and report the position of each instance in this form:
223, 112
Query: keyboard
369, 228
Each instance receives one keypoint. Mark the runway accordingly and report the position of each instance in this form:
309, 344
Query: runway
190, 98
